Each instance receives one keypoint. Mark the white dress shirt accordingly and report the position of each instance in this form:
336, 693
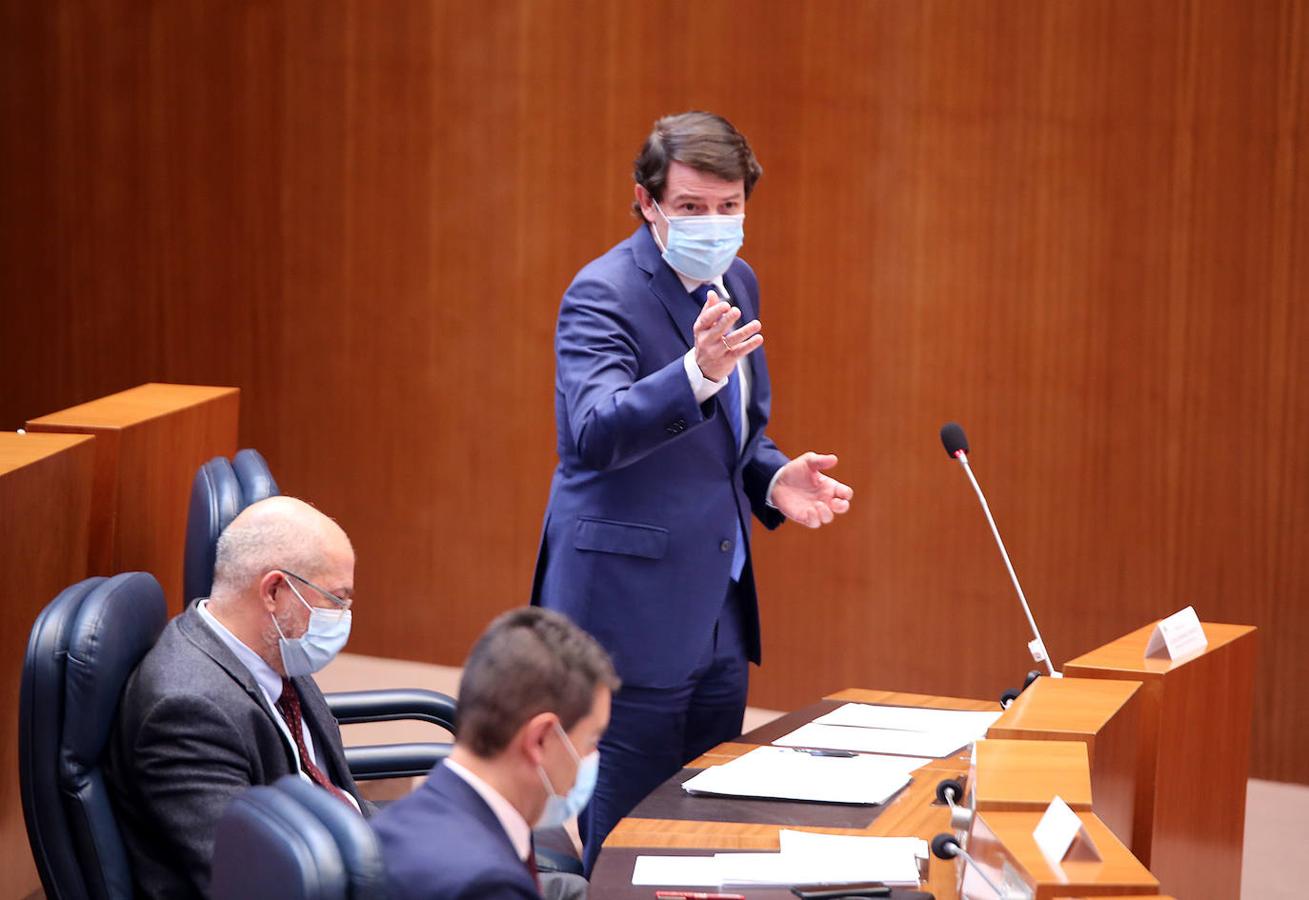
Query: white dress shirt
520, 833
270, 684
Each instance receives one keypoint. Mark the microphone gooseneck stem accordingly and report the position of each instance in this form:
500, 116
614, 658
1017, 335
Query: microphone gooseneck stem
1037, 647
999, 891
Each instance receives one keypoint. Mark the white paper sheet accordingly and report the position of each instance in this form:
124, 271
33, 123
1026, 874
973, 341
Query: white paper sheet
786, 774
875, 740
677, 871
905, 718
807, 858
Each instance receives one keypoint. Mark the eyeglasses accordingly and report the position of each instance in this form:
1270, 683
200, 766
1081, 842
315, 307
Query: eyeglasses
340, 605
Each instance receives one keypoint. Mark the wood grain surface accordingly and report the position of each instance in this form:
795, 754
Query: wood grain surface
1081, 229
45, 508
1194, 753
151, 439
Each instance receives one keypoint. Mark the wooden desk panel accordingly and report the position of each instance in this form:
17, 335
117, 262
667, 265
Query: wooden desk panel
1007, 836
1024, 776
45, 505
1102, 714
1195, 754
151, 440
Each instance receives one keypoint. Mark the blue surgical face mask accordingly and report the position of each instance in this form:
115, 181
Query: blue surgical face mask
559, 809
327, 633
702, 247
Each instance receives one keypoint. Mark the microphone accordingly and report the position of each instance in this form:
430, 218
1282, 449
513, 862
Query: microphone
944, 846
956, 446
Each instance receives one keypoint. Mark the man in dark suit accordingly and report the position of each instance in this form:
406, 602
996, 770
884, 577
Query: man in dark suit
662, 397
533, 702
225, 699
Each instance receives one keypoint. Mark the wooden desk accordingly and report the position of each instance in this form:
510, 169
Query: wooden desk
1003, 840
1105, 716
1194, 759
912, 812
150, 441
45, 504
1024, 776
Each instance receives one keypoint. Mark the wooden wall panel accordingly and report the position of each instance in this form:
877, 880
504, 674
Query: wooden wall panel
45, 513
1078, 228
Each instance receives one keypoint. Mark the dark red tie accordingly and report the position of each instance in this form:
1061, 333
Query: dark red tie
531, 865
289, 706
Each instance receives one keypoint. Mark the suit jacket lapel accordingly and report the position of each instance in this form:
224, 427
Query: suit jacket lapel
665, 284
199, 634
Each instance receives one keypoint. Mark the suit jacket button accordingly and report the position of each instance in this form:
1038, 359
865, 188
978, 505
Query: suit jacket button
725, 546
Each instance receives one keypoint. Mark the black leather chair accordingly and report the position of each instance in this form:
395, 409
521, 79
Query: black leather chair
293, 840
82, 648
221, 489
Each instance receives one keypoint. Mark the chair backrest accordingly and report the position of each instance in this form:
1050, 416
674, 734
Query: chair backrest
355, 840
82, 648
220, 491
281, 842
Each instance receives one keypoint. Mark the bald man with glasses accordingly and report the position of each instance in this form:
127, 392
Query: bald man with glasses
226, 700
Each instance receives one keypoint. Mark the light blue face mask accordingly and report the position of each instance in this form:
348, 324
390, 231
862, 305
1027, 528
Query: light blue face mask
559, 809
702, 247
327, 633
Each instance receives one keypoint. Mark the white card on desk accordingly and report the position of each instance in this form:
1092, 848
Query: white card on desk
1176, 636
1061, 835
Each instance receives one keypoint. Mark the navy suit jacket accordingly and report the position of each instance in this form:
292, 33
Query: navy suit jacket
639, 530
442, 842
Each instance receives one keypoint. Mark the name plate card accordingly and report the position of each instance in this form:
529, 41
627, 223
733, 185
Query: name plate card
1176, 636
1060, 834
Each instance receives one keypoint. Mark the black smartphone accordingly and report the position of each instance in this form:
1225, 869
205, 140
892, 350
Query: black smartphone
832, 891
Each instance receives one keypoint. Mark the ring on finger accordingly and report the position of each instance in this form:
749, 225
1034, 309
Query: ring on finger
726, 346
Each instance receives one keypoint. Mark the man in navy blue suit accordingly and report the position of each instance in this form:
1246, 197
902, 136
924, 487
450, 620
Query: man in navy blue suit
533, 702
661, 401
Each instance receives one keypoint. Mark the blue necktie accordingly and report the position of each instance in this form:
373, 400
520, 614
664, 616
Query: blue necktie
731, 397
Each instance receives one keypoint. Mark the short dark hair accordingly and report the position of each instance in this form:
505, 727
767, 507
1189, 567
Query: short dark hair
529, 661
697, 139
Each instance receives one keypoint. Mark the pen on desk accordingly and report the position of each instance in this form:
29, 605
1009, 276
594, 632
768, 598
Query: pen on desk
696, 895
843, 754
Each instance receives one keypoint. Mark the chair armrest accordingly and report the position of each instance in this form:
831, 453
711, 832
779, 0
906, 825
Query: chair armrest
394, 760
548, 860
392, 704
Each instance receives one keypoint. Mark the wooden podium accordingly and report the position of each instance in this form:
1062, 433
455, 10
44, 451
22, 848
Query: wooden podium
150, 440
1104, 715
1003, 846
1024, 776
1195, 754
45, 507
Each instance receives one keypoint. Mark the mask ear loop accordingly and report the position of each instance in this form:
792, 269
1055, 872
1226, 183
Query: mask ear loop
288, 583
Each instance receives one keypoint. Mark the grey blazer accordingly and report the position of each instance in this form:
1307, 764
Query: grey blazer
193, 731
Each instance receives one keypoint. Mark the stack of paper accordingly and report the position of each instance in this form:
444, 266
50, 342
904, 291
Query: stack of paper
785, 774
892, 729
804, 858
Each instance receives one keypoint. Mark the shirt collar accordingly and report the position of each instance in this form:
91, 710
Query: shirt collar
511, 820
269, 681
690, 283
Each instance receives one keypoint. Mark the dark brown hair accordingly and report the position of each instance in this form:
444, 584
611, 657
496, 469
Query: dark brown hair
528, 661
700, 140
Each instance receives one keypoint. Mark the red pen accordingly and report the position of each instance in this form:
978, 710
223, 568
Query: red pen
696, 895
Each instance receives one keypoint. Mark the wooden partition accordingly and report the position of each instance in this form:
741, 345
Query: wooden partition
150, 442
1106, 717
1025, 775
1079, 228
1002, 843
1194, 755
45, 508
